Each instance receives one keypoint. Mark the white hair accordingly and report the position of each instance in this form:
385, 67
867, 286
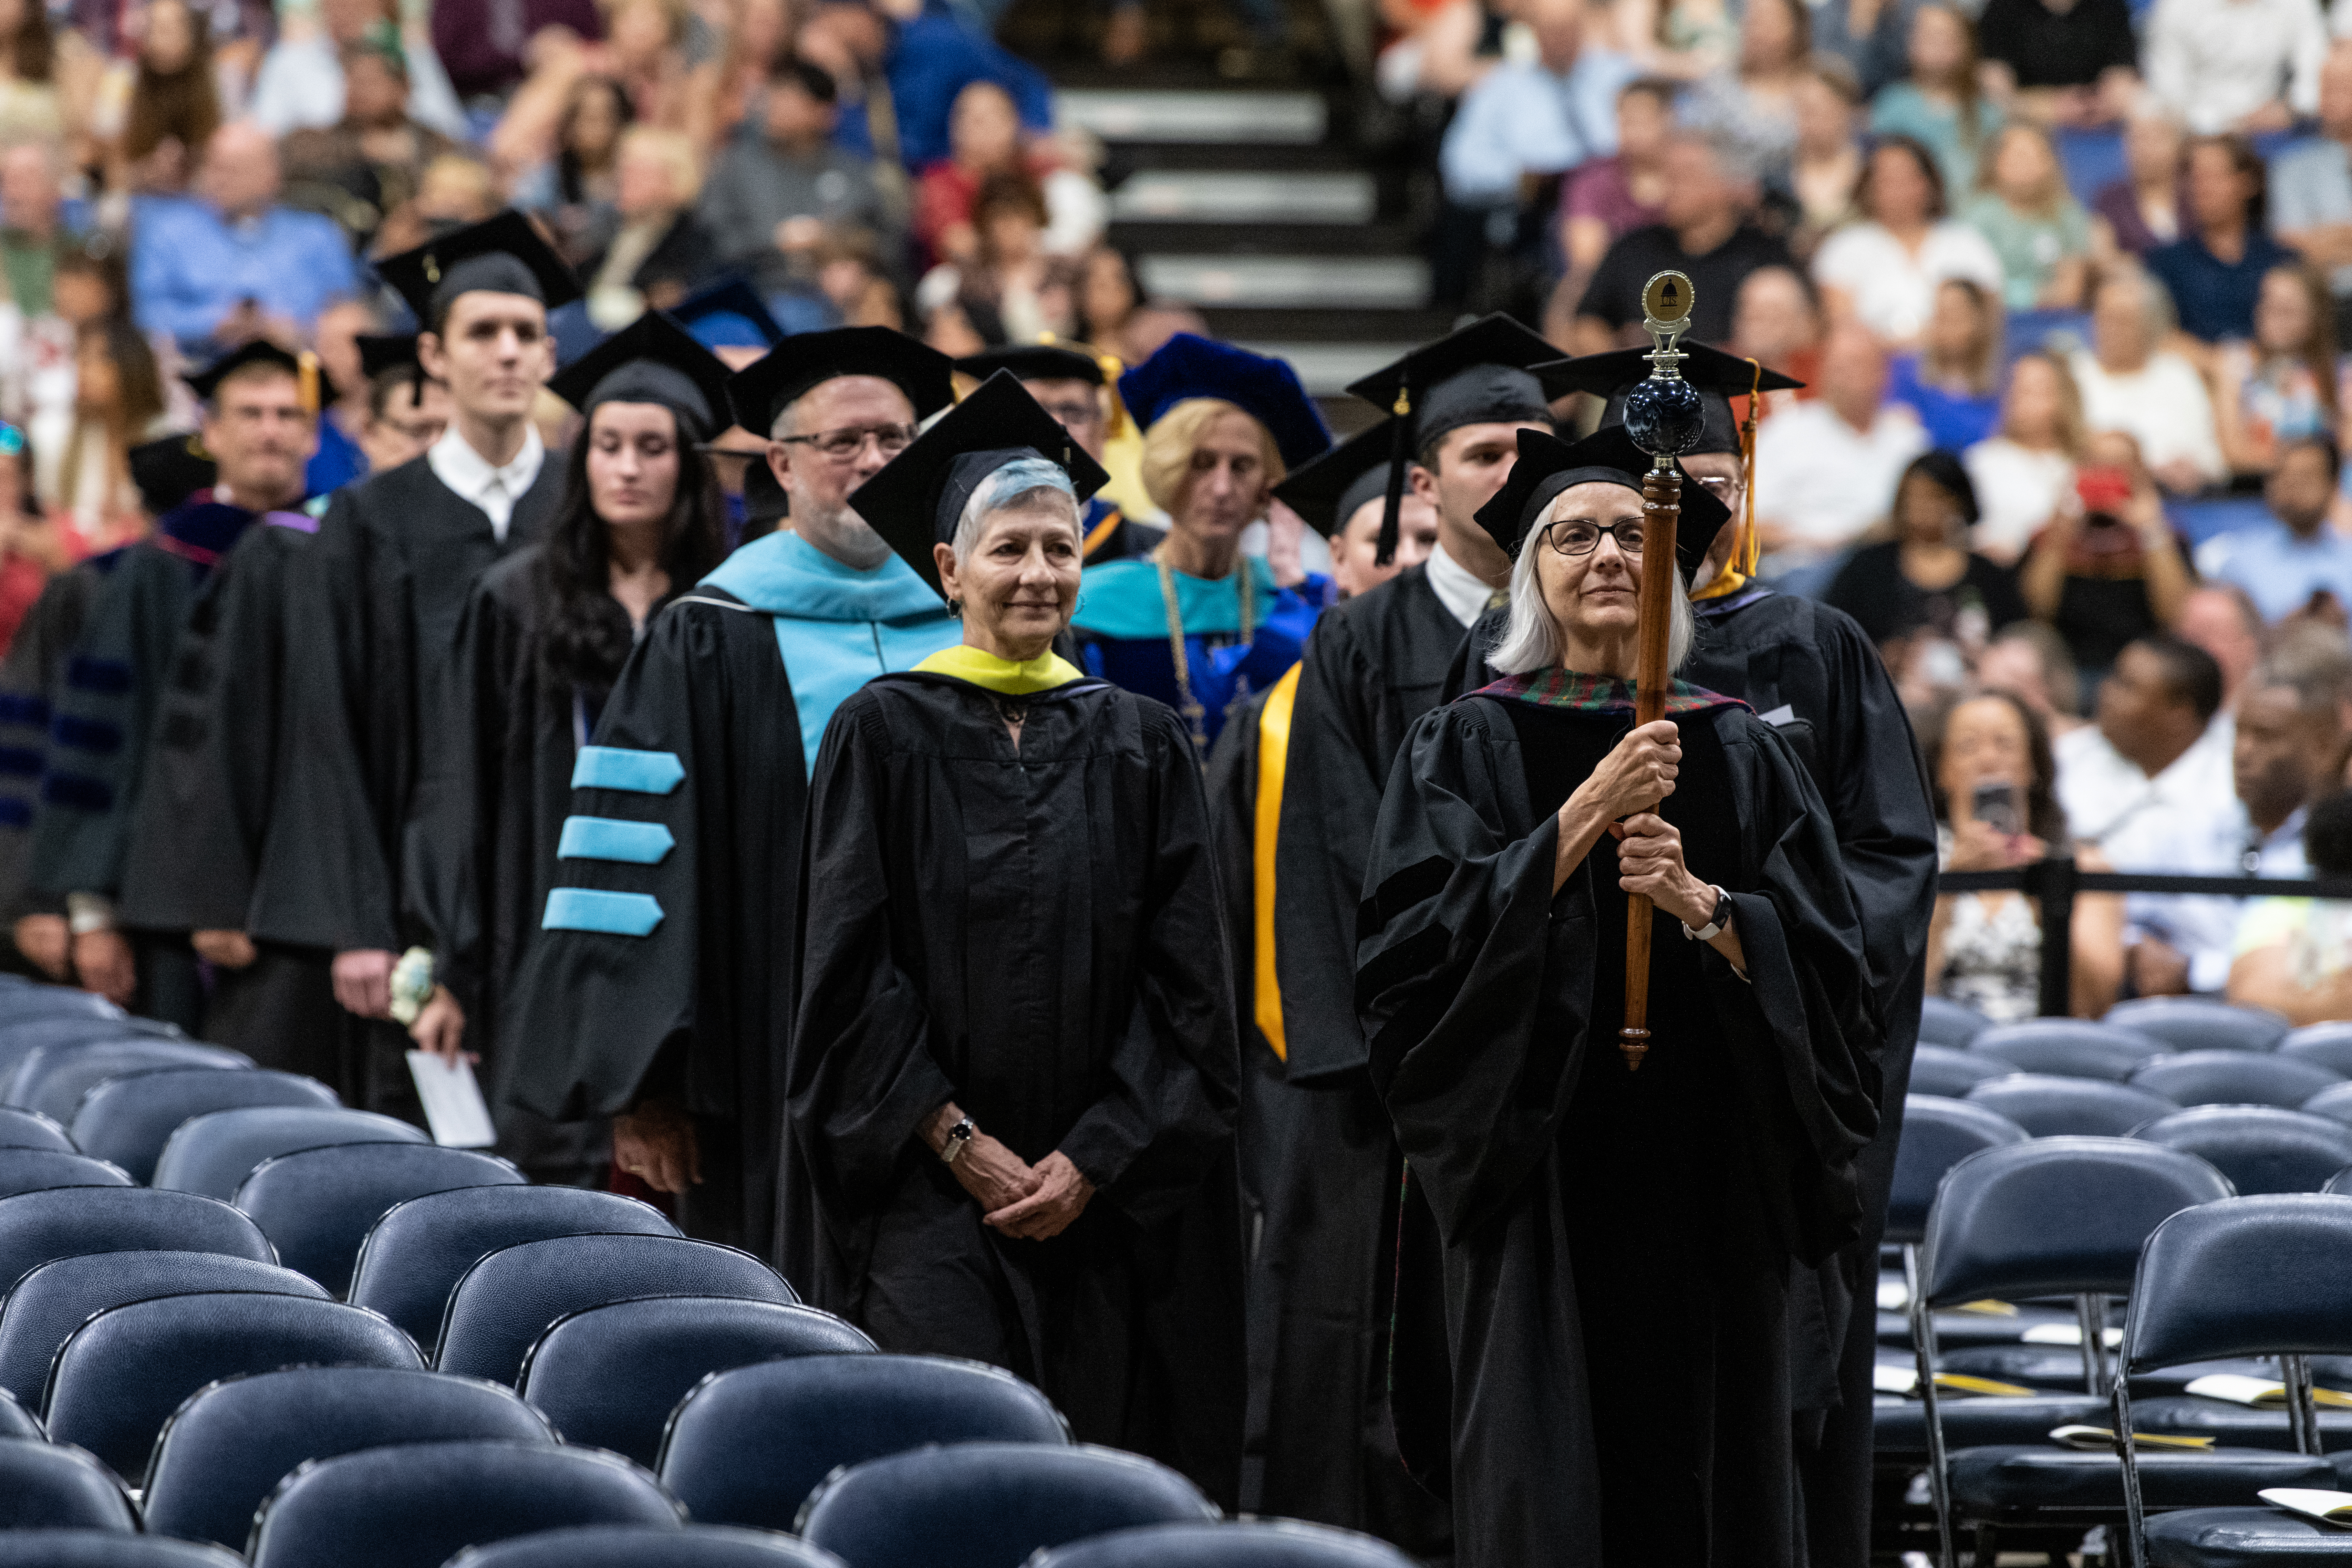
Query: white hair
1022, 483
1531, 639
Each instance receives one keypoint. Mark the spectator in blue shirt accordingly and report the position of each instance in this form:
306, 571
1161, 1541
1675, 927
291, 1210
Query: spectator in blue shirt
231, 265
2282, 564
2214, 270
935, 57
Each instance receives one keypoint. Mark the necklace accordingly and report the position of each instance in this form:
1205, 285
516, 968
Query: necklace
1189, 706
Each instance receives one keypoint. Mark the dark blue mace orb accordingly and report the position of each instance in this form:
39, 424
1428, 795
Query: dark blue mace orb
1665, 417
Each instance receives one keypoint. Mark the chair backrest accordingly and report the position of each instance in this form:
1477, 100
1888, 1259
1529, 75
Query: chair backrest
45, 1486
21, 1129
2340, 1183
635, 1546
2234, 1077
748, 1446
2260, 1148
2328, 1044
2049, 1107
2055, 1217
2255, 1276
52, 1079
120, 1375
417, 1252
107, 1549
229, 1445
213, 1153
2068, 1047
2333, 1102
71, 1222
990, 1505
418, 1505
508, 1299
32, 1170
317, 1206
1265, 1544
49, 1303
1950, 1072
2198, 1023
68, 1028
1937, 1135
1947, 1023
18, 1421
609, 1376
128, 1118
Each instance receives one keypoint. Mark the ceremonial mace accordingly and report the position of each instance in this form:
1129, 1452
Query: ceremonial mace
1665, 417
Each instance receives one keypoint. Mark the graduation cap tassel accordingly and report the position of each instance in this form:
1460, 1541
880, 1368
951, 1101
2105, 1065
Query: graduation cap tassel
1750, 547
1112, 369
1391, 525
306, 376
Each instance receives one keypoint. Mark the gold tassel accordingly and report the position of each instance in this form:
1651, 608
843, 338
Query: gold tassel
306, 374
1750, 548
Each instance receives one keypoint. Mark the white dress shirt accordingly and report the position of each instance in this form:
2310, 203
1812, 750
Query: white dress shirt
1457, 587
1824, 481
2163, 406
468, 473
2213, 62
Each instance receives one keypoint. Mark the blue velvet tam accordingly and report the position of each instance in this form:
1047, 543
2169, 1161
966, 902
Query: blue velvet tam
729, 315
1268, 390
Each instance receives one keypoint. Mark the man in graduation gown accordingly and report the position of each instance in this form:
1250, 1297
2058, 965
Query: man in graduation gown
1078, 389
1373, 665
260, 414
657, 994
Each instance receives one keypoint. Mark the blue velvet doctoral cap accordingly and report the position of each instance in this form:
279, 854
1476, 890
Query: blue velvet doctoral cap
1268, 390
729, 315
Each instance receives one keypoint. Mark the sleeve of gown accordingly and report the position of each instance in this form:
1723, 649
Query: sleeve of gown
1175, 1071
448, 826
1469, 670
98, 734
27, 676
1885, 820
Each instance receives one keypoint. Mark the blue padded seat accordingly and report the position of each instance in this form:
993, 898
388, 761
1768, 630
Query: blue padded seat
418, 1251
2068, 1047
2002, 1479
2245, 1538
1943, 1022
46, 1487
107, 1549
33, 1170
1950, 1072
746, 1446
2261, 1149
634, 1546
2340, 1183
43, 1309
317, 1206
121, 1374
2200, 1024
1899, 1426
52, 1079
68, 1029
418, 1505
609, 1376
2333, 1102
1937, 1135
72, 1222
1267, 1543
990, 1505
2328, 1045
21, 1129
2233, 1426
2234, 1077
509, 1298
17, 1420
2049, 1107
229, 1445
128, 1118
214, 1153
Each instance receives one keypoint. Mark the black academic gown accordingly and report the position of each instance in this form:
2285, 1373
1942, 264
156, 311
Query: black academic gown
1616, 1247
29, 674
1034, 934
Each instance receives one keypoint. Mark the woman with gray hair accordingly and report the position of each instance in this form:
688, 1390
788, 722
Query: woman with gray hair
1608, 1252
1013, 1079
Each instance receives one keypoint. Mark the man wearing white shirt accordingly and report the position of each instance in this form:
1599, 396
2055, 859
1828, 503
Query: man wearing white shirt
2250, 65
1826, 470
2152, 747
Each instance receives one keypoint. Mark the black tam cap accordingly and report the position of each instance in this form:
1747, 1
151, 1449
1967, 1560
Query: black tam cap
917, 501
1327, 491
1549, 465
169, 471
381, 351
651, 360
1035, 362
762, 390
1718, 376
729, 315
500, 255
206, 382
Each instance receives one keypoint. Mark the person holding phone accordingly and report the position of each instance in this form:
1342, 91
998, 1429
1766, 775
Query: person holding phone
2108, 569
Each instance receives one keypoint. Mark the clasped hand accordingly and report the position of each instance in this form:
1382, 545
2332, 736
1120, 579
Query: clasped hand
1033, 1202
1650, 862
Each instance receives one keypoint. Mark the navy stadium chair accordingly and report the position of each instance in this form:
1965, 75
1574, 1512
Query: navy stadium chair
229, 1445
417, 1506
746, 1446
2328, 1045
53, 1079
2068, 1047
22, 1129
2333, 1102
2260, 1148
106, 1549
43, 1486
609, 1376
1950, 1072
121, 1374
18, 1421
990, 1505
1947, 1023
30, 1002
417, 1253
508, 1299
71, 1222
634, 1546
1271, 1544
2201, 1024
2234, 1077
317, 1206
128, 1118
2049, 1107
2340, 1183
33, 1170
1937, 1135
68, 1029
49, 1303
213, 1153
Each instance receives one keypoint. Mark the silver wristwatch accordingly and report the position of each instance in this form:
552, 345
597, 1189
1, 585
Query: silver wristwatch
959, 1138
1716, 922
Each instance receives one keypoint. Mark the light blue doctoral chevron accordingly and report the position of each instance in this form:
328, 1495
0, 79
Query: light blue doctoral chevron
611, 839
590, 908
620, 767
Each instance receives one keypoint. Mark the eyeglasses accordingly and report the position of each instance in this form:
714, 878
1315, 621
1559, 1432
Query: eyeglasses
1069, 414
1581, 538
841, 446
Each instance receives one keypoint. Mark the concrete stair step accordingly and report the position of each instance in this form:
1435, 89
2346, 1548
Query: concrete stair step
1244, 324
1143, 114
1377, 237
1327, 368
1295, 282
1202, 196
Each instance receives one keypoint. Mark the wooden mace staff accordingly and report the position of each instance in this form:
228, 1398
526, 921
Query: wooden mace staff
1663, 415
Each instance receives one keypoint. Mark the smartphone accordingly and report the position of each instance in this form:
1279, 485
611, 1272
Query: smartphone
1996, 806
2103, 490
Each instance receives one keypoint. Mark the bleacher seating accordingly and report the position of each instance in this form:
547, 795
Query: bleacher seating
2196, 1023
1951, 1072
2328, 1044
1943, 1023
2049, 1107
33, 1170
71, 1222
129, 1118
43, 1309
2234, 1077
53, 1079
2068, 1047
213, 1153
317, 1206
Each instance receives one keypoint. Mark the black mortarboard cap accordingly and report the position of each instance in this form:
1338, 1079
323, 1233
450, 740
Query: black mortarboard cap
169, 471
1187, 366
1718, 376
765, 500
261, 351
651, 360
1547, 465
381, 351
760, 391
1327, 491
1033, 362
729, 315
915, 501
502, 254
